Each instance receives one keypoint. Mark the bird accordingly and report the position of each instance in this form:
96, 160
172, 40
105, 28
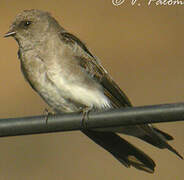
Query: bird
69, 78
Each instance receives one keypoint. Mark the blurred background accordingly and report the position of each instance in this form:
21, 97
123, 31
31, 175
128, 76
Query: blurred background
141, 46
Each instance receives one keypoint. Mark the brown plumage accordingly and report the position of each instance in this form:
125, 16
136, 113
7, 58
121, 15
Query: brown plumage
61, 69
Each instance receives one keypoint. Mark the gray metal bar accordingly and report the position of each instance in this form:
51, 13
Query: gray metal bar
74, 121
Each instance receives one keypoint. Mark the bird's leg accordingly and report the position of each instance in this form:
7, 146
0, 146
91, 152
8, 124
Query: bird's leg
85, 113
47, 113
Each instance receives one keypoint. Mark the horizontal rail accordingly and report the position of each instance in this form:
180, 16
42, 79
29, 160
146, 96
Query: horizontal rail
93, 120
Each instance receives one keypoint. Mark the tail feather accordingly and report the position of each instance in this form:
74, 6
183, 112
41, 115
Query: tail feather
164, 134
160, 144
147, 133
157, 138
122, 150
173, 150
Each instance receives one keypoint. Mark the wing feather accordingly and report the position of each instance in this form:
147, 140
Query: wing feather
93, 67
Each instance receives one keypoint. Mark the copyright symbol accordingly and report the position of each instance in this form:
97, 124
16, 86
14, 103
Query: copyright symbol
117, 2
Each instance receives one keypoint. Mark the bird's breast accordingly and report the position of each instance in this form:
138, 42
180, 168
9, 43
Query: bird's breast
62, 89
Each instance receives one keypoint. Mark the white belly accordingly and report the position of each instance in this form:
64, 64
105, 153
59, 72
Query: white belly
60, 93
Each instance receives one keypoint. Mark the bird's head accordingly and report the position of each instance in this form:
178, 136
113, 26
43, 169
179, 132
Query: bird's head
32, 26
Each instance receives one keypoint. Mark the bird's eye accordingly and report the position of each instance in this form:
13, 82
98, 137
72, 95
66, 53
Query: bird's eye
26, 23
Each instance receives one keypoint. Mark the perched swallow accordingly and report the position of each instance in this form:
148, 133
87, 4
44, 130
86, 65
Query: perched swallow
61, 69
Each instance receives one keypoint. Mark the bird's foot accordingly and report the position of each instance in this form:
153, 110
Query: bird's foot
48, 113
85, 113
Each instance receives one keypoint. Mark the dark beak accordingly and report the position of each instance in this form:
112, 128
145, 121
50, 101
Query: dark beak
10, 33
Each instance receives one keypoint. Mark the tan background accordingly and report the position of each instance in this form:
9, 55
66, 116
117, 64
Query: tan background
142, 48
